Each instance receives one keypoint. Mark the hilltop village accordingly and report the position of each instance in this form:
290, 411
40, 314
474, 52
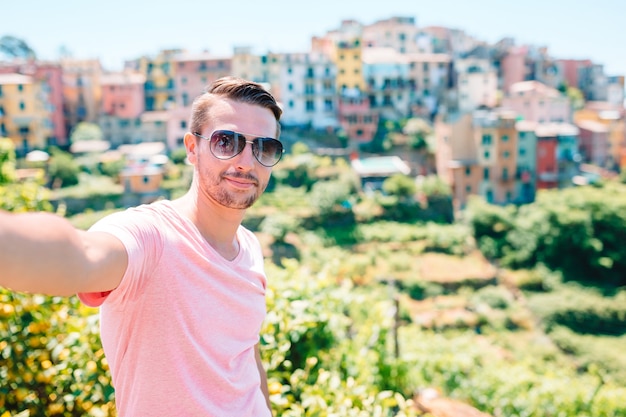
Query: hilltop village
497, 120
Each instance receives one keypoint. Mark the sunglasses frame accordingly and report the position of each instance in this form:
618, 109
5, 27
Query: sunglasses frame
246, 141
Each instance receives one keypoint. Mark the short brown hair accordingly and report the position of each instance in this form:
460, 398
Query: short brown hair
236, 89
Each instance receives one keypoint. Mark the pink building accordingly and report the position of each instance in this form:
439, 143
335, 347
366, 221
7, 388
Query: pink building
194, 72
570, 69
513, 67
357, 119
536, 102
123, 94
594, 142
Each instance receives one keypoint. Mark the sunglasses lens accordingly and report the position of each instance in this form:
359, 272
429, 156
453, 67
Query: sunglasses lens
226, 144
268, 151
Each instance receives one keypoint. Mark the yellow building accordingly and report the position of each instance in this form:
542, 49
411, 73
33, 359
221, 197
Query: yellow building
349, 62
24, 116
160, 71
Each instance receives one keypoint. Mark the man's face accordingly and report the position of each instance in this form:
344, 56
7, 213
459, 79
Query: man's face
238, 182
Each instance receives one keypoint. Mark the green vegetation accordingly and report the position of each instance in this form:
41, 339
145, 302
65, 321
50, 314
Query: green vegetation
517, 311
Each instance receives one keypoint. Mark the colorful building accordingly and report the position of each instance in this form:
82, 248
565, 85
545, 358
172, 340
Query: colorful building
159, 71
194, 72
484, 153
82, 93
24, 117
536, 102
613, 118
50, 75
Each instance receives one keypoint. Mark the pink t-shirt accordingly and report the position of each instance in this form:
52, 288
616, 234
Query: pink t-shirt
179, 331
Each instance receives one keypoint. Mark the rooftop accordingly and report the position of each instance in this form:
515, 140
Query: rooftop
380, 166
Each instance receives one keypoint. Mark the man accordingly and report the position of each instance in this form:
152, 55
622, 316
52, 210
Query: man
180, 283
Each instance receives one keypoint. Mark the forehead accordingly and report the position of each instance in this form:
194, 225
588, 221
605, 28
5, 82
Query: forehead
242, 117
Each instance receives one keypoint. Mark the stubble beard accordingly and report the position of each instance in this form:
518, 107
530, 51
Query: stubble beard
217, 191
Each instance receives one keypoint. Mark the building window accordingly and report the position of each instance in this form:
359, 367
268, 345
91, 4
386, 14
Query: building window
486, 173
291, 104
468, 189
310, 106
183, 124
506, 154
505, 174
505, 138
486, 140
20, 87
22, 105
522, 151
468, 171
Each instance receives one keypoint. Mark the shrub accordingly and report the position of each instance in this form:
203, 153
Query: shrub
62, 169
51, 359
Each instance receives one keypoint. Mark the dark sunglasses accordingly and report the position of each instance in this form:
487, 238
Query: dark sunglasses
226, 144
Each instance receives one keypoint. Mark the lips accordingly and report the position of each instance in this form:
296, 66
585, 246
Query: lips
241, 181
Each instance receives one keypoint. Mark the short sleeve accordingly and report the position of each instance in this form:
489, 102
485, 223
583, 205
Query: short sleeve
138, 231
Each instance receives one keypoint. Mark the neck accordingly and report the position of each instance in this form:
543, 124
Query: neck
217, 224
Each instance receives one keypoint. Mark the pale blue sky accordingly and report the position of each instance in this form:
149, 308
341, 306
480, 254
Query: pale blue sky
115, 30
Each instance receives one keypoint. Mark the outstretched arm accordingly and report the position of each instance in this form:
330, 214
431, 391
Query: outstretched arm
44, 253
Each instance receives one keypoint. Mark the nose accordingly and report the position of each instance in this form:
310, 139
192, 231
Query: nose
246, 159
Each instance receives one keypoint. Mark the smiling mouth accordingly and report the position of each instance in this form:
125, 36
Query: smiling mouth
243, 181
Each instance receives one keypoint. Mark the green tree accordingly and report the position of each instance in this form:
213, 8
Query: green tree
13, 47
576, 98
7, 161
400, 185
330, 196
28, 196
62, 169
491, 225
85, 131
418, 130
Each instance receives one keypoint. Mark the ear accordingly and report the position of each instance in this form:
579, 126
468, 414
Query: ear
191, 145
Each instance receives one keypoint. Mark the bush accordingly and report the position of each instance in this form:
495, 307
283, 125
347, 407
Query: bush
62, 169
496, 297
51, 359
581, 310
